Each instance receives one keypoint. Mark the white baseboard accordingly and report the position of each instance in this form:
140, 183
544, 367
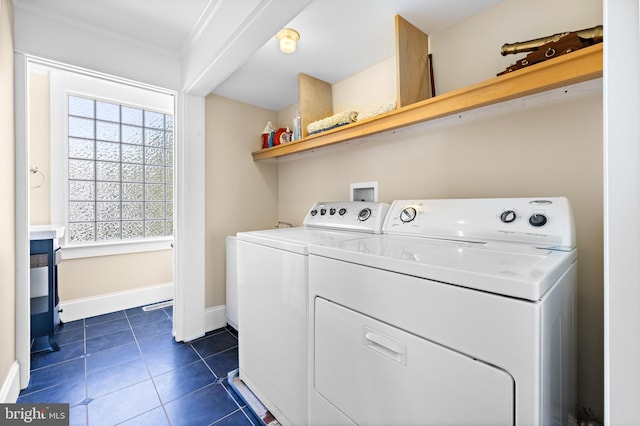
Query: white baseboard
11, 385
215, 318
91, 306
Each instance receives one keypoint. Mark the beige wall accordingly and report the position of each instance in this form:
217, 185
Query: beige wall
92, 276
241, 195
544, 150
546, 146
97, 276
7, 194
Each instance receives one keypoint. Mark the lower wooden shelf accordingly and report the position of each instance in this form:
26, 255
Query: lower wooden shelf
581, 65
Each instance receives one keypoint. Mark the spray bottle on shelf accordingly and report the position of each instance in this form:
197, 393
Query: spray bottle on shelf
297, 126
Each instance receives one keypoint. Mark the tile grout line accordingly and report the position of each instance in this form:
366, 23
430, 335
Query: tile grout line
86, 374
219, 381
144, 359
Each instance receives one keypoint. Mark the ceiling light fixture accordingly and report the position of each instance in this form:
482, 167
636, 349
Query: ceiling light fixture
288, 39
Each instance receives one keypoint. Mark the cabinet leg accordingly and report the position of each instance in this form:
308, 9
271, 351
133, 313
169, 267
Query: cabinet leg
53, 344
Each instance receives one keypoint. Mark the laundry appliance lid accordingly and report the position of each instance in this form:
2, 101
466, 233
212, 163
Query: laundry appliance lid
510, 269
295, 239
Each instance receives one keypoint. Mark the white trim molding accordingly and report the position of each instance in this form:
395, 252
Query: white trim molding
215, 318
112, 302
11, 385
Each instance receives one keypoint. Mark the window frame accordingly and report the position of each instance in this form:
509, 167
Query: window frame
64, 83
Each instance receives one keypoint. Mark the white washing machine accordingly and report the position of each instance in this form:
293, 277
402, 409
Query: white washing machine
273, 301
462, 313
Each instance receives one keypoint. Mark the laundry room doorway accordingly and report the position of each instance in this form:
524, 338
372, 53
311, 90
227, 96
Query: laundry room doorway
94, 154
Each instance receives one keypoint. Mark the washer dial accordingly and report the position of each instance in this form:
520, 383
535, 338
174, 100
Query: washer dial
537, 220
364, 214
408, 214
508, 216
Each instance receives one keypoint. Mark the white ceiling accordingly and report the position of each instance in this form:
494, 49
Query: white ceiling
338, 38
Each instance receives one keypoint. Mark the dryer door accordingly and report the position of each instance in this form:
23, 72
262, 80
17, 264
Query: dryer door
375, 374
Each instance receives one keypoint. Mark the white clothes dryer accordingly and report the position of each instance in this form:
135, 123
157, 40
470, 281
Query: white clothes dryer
273, 301
462, 313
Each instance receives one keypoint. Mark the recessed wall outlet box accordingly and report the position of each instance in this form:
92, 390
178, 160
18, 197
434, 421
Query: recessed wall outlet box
364, 191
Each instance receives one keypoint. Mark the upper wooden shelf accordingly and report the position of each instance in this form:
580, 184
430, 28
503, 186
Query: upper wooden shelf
581, 65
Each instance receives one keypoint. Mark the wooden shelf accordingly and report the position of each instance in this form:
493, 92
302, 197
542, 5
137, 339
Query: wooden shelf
581, 65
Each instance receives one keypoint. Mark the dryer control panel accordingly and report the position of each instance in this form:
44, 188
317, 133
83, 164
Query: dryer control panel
359, 216
543, 222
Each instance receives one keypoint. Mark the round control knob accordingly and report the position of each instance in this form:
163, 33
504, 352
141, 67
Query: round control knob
342, 211
323, 212
314, 212
537, 220
364, 214
408, 214
508, 216
332, 211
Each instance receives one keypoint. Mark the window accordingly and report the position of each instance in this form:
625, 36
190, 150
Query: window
120, 172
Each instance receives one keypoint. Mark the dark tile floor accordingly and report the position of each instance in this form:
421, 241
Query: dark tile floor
125, 368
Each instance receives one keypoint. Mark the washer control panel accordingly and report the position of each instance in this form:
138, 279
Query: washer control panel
544, 222
348, 216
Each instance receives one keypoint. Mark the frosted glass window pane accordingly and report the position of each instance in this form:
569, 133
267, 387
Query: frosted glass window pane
81, 212
107, 231
120, 171
132, 230
132, 173
81, 148
154, 192
154, 156
154, 210
108, 191
131, 134
107, 171
132, 192
154, 138
108, 211
131, 116
81, 128
154, 228
132, 211
131, 154
81, 107
108, 151
82, 232
154, 174
153, 119
81, 169
107, 111
107, 131
81, 190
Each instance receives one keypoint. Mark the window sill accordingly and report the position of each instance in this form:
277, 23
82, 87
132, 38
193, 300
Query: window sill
115, 248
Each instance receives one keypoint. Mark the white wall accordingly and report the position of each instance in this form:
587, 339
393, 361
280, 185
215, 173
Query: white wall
622, 205
42, 36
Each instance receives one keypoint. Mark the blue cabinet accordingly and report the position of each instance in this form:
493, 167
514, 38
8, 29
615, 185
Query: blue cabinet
45, 315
